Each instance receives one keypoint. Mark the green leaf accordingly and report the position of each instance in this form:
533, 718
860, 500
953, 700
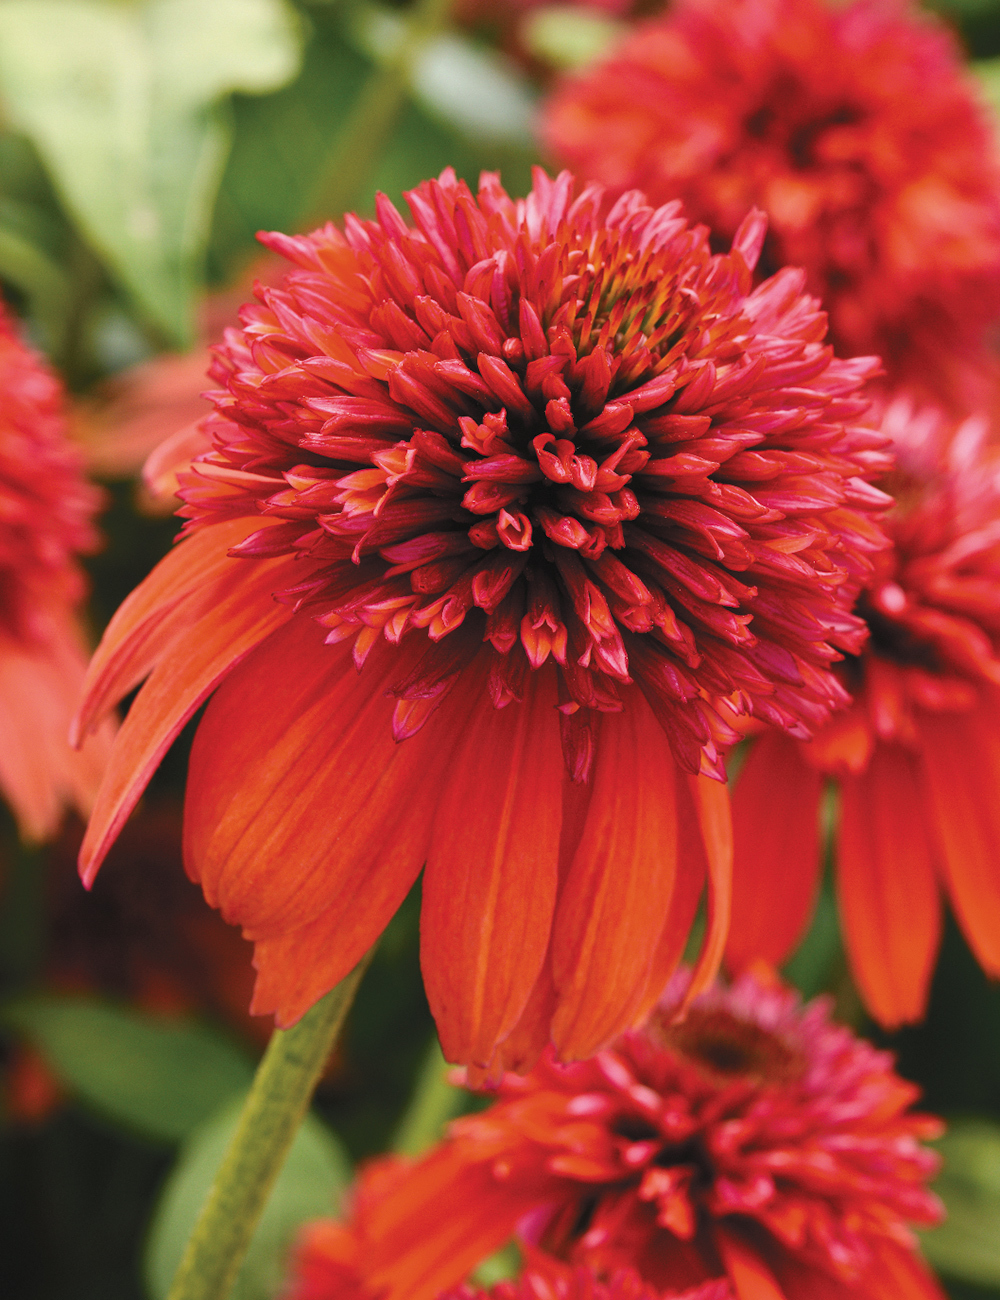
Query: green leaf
566, 36
988, 74
967, 1244
25, 265
124, 104
476, 91
315, 1174
159, 1077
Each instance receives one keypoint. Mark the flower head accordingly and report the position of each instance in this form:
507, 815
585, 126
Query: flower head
755, 1139
915, 756
318, 1273
567, 493
852, 125
46, 513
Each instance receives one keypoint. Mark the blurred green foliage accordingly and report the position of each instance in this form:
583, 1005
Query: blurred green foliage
310, 1184
160, 1078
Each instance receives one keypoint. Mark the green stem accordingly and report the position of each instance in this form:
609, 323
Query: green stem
376, 110
278, 1101
434, 1103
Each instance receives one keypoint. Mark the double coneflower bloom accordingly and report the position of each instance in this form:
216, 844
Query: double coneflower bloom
855, 127
755, 1141
506, 513
916, 756
46, 513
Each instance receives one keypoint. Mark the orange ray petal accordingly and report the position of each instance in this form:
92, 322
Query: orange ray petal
300, 801
490, 882
240, 620
616, 897
431, 1227
40, 774
711, 800
886, 887
750, 1277
961, 757
777, 855
687, 895
139, 634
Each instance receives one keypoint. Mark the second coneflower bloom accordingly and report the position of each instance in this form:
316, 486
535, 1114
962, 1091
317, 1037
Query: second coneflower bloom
46, 521
505, 513
916, 758
756, 1142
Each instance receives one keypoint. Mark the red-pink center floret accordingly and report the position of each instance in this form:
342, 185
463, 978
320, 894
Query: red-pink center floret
569, 434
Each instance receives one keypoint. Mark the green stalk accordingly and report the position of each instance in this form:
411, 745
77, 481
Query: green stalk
279, 1098
371, 120
435, 1101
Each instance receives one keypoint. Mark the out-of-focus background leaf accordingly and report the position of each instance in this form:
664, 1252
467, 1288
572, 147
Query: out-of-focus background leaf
158, 1077
123, 102
316, 1172
967, 1244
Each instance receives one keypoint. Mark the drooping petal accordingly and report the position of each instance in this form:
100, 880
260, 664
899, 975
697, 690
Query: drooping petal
777, 854
889, 903
490, 884
711, 801
750, 1277
961, 760
415, 1252
39, 773
295, 765
185, 582
687, 895
242, 617
614, 902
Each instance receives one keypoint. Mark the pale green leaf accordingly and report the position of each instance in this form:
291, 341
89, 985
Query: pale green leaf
565, 36
309, 1185
967, 1244
125, 104
161, 1077
988, 74
476, 90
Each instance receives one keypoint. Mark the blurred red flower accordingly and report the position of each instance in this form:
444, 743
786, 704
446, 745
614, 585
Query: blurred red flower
534, 467
853, 126
318, 1274
916, 756
46, 514
755, 1139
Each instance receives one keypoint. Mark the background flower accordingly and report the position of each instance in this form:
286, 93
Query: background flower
857, 131
755, 1139
914, 756
46, 513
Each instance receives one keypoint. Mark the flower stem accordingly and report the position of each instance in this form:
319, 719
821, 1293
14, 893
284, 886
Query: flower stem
278, 1101
435, 1101
359, 146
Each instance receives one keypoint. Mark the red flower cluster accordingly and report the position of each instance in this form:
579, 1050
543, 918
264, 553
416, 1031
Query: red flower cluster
854, 126
754, 1140
555, 477
916, 755
46, 509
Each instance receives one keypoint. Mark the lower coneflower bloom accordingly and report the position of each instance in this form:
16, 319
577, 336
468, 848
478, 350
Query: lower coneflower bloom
321, 1272
853, 125
506, 514
916, 757
754, 1140
46, 512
